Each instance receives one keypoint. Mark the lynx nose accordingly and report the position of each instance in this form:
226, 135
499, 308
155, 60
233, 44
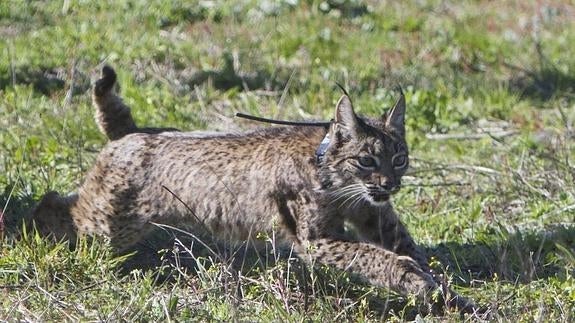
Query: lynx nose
385, 184
390, 186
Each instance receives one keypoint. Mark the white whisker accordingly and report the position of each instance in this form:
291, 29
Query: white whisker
350, 189
356, 202
346, 188
353, 197
346, 193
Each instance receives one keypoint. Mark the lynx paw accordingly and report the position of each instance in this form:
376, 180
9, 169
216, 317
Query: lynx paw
449, 300
414, 280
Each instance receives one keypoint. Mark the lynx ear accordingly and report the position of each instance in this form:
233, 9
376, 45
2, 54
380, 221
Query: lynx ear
395, 118
345, 116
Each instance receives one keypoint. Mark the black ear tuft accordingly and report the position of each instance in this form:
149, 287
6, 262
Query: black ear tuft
344, 115
395, 119
342, 88
106, 83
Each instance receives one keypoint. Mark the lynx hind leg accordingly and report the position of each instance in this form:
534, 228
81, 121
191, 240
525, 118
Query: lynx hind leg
113, 117
52, 216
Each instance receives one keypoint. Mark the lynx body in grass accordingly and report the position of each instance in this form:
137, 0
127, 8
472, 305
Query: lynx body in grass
238, 185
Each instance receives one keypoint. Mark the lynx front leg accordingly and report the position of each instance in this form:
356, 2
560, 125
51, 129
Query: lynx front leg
378, 266
383, 228
316, 235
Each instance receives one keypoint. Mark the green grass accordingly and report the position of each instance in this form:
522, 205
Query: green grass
490, 88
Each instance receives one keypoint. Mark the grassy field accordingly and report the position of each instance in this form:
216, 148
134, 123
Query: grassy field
490, 89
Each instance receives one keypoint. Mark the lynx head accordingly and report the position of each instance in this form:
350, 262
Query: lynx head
366, 158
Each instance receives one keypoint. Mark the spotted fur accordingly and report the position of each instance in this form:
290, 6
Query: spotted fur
238, 185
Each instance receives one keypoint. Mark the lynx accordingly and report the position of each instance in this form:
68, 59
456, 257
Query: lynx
306, 184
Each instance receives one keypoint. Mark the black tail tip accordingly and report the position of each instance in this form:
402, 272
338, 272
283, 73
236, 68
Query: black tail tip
108, 72
106, 83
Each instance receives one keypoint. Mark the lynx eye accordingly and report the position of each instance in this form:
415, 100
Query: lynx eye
367, 162
399, 161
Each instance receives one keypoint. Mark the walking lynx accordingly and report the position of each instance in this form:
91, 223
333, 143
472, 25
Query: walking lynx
241, 184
